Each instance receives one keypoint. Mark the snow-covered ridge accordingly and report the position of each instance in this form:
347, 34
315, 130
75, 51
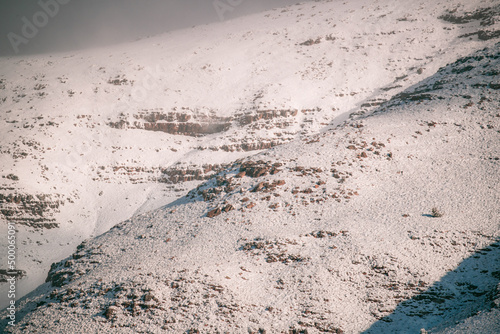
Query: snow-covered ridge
331, 233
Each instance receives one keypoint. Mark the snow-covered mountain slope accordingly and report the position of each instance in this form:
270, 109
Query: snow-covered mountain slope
388, 223
94, 138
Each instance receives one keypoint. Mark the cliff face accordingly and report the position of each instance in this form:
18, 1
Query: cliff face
197, 125
29, 210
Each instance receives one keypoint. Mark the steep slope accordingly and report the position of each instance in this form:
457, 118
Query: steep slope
92, 139
333, 232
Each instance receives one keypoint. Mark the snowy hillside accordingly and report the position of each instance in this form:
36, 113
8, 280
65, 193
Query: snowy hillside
329, 234
276, 215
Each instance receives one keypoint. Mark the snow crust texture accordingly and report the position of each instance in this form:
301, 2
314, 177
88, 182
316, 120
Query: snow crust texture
337, 173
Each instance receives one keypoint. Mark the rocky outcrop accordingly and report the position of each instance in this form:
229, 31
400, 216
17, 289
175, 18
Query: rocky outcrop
195, 124
173, 175
9, 274
169, 175
31, 210
247, 147
265, 115
259, 168
185, 129
487, 17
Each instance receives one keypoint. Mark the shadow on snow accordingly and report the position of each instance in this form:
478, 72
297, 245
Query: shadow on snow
460, 294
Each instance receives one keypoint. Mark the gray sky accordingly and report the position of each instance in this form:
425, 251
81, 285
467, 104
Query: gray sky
28, 28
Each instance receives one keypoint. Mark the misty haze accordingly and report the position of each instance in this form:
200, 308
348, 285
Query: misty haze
77, 24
